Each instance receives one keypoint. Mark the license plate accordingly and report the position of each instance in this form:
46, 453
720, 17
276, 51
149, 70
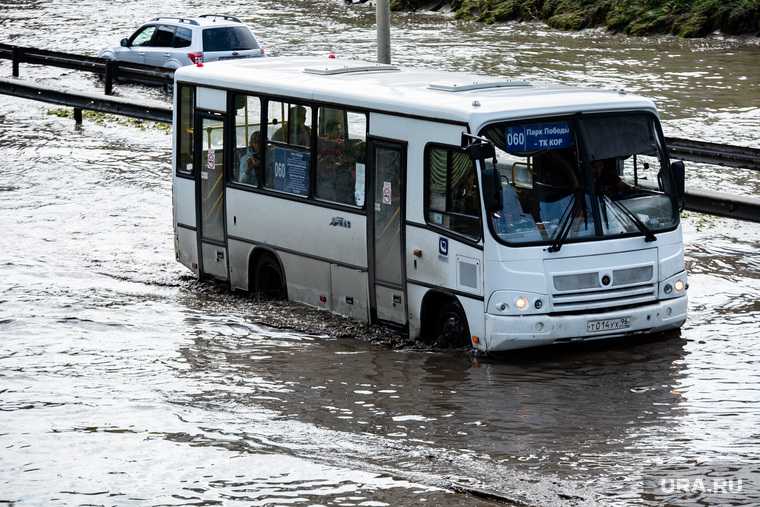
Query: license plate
598, 326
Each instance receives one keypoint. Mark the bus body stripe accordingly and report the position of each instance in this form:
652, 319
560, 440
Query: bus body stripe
445, 289
294, 252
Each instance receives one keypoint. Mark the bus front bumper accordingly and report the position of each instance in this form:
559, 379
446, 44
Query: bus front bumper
518, 332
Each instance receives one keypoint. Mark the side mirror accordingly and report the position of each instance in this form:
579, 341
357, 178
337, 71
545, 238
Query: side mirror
125, 42
492, 196
480, 151
678, 170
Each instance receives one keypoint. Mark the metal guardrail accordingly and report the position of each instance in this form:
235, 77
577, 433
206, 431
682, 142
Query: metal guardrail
713, 153
145, 110
718, 203
110, 70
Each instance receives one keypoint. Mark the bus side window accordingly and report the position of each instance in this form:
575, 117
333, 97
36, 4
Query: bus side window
289, 123
186, 104
453, 199
249, 142
288, 153
341, 154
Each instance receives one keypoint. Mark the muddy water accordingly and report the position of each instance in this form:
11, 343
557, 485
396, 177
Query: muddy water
125, 381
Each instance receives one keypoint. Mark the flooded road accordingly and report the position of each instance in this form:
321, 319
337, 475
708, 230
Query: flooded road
125, 381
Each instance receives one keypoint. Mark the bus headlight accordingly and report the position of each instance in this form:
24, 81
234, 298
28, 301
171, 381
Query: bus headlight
517, 302
675, 286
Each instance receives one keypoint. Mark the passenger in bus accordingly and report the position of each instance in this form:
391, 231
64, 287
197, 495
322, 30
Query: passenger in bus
250, 163
300, 134
466, 199
335, 177
607, 181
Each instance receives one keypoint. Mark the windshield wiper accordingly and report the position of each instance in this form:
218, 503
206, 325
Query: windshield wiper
564, 227
648, 234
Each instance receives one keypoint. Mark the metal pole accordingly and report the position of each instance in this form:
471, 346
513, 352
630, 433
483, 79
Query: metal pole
15, 59
383, 14
110, 71
77, 116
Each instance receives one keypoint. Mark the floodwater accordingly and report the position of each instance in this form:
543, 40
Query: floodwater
125, 381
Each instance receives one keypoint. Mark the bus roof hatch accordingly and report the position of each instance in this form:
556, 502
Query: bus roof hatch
348, 68
464, 86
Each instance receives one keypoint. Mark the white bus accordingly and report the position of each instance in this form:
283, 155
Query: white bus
464, 209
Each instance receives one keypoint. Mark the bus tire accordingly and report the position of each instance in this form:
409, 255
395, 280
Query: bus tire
451, 329
268, 279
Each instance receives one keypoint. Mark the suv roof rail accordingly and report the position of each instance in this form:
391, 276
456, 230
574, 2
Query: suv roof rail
223, 16
181, 20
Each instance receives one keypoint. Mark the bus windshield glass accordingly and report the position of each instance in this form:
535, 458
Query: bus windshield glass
589, 177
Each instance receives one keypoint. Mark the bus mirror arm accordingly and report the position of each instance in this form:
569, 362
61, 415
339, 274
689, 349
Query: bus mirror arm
678, 170
478, 148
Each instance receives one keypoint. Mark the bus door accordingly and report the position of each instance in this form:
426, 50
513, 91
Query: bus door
209, 163
386, 232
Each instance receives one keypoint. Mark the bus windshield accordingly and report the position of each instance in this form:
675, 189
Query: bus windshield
584, 177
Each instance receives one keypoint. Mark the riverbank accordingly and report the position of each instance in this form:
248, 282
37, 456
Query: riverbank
684, 18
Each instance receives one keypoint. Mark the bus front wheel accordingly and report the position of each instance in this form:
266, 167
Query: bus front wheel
268, 279
452, 330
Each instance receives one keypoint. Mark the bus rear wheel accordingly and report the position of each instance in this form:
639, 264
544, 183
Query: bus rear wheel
268, 279
451, 330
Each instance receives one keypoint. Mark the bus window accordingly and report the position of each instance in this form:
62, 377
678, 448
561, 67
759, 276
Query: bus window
341, 149
289, 123
186, 103
288, 157
453, 199
249, 142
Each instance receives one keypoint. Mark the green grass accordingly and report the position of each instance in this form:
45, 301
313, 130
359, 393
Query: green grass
685, 18
104, 118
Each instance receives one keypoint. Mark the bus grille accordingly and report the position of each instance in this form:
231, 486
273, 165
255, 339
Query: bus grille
584, 291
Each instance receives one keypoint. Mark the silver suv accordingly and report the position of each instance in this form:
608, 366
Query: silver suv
174, 42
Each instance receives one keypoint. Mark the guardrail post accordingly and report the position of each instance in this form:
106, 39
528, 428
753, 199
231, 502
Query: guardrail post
110, 74
77, 116
16, 59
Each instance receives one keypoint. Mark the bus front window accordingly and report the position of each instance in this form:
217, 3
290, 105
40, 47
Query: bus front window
597, 176
629, 173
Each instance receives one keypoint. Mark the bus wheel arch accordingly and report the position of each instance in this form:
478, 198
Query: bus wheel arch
266, 274
443, 320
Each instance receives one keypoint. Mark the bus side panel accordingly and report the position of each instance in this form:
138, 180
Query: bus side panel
298, 227
350, 292
323, 251
476, 319
447, 264
414, 295
239, 254
308, 280
186, 245
186, 242
444, 262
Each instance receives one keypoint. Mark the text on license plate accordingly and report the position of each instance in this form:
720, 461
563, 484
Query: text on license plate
597, 326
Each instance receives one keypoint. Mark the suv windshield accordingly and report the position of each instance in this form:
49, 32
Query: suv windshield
231, 38
582, 177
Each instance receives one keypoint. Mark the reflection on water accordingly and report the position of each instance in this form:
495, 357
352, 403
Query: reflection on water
122, 380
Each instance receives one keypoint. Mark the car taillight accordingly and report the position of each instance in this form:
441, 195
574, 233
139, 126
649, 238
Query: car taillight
263, 51
196, 58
